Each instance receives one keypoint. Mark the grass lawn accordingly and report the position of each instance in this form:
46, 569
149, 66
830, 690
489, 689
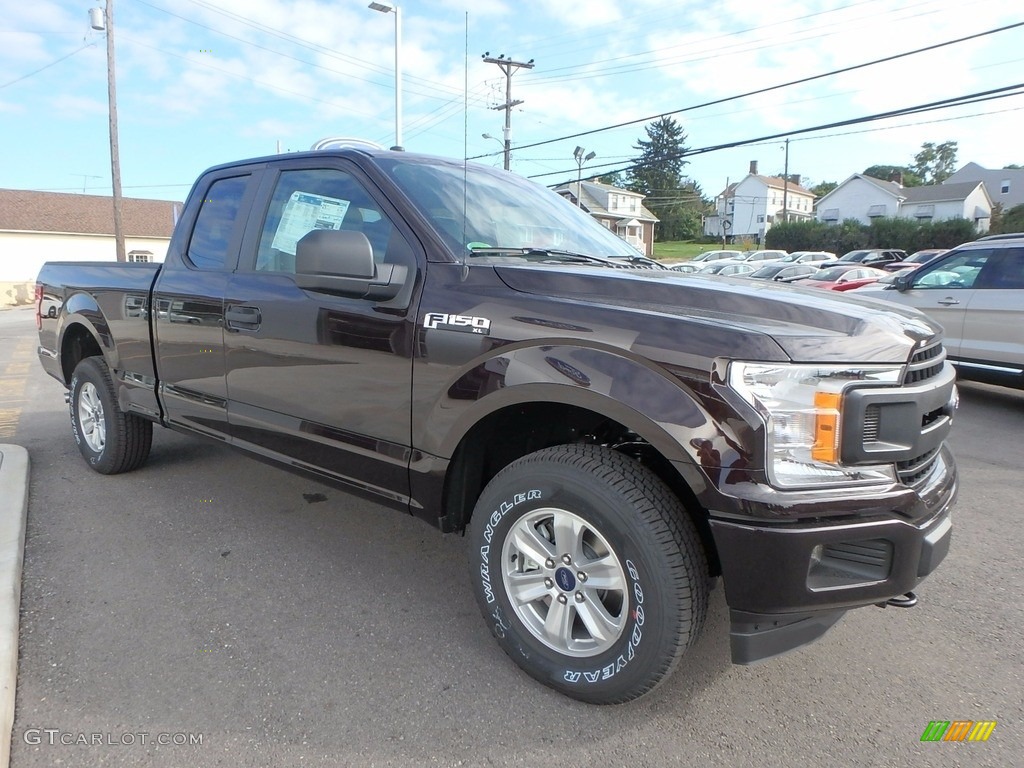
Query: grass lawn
680, 250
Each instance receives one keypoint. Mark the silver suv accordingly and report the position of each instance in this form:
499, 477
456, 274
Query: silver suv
976, 291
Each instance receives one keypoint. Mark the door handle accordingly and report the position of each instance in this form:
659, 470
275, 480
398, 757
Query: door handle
242, 318
948, 302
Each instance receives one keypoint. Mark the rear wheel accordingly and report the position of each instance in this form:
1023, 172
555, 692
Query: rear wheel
589, 571
111, 440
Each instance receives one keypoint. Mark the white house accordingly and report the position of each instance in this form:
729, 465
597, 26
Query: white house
36, 227
749, 207
620, 210
1004, 186
865, 198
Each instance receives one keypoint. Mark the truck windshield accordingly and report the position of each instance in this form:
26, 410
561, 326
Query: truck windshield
494, 215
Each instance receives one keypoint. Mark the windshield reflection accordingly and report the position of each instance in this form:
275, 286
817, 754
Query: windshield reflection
472, 206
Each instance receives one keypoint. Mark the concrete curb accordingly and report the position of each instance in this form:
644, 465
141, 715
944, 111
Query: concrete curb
13, 510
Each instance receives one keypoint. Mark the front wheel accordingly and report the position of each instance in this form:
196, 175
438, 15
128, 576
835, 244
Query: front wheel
111, 440
589, 571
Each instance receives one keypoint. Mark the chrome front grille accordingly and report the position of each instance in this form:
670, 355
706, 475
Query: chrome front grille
926, 363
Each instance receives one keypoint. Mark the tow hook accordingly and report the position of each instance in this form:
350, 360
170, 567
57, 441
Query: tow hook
908, 600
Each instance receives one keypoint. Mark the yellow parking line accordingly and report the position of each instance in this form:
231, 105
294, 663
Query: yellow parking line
17, 369
9, 421
12, 389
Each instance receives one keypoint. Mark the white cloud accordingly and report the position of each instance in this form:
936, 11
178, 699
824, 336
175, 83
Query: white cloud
70, 107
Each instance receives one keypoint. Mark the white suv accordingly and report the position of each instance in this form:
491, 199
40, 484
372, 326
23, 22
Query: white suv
976, 291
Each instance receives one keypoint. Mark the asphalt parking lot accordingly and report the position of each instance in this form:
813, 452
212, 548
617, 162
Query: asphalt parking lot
285, 623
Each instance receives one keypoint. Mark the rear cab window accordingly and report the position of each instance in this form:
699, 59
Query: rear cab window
216, 224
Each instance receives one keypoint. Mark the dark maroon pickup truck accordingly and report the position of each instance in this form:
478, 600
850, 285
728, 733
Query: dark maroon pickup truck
461, 344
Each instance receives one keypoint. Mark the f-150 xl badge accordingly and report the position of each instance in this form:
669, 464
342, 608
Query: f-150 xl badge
464, 323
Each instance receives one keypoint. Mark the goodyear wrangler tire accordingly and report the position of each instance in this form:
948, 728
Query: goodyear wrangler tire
588, 571
111, 440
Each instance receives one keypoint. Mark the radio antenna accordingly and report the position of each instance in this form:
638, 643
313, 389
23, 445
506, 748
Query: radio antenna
465, 143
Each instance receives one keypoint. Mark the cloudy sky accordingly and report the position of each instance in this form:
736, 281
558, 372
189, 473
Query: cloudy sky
200, 82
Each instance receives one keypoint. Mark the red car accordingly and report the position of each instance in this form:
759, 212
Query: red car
842, 277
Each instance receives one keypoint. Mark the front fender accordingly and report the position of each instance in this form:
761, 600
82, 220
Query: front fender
672, 414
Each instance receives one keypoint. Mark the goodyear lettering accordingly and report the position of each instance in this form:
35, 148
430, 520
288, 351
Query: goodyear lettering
609, 671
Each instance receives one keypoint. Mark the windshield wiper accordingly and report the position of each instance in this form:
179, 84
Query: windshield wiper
534, 254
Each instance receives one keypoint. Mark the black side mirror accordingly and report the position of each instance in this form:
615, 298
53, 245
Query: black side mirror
902, 283
341, 262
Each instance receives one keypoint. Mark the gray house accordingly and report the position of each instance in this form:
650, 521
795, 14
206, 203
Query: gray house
1005, 186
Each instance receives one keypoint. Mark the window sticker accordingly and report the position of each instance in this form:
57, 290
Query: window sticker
305, 212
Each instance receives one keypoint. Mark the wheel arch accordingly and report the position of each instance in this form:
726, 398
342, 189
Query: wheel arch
530, 417
84, 332
79, 340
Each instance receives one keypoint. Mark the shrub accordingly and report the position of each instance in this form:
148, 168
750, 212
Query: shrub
907, 234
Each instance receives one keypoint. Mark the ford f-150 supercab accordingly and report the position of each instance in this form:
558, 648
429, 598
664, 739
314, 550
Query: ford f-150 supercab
465, 345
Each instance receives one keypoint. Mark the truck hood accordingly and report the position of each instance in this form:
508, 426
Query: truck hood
808, 324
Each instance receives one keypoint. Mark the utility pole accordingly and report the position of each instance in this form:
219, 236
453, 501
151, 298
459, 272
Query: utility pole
785, 186
725, 223
508, 66
107, 23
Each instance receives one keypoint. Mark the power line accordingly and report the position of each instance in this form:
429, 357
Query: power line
767, 89
47, 66
228, 72
709, 51
434, 86
972, 98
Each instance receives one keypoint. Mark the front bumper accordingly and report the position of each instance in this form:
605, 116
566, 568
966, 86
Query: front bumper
787, 583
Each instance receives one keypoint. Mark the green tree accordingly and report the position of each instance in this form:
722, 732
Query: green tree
823, 188
1011, 220
657, 173
995, 222
659, 168
895, 172
935, 162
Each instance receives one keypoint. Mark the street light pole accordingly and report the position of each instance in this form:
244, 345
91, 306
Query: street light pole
580, 160
388, 8
107, 23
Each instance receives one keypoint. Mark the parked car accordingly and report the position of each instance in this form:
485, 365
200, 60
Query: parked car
916, 259
842, 277
717, 255
808, 257
782, 273
726, 269
756, 256
874, 257
976, 291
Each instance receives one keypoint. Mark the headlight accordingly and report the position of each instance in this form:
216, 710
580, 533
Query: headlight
802, 407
